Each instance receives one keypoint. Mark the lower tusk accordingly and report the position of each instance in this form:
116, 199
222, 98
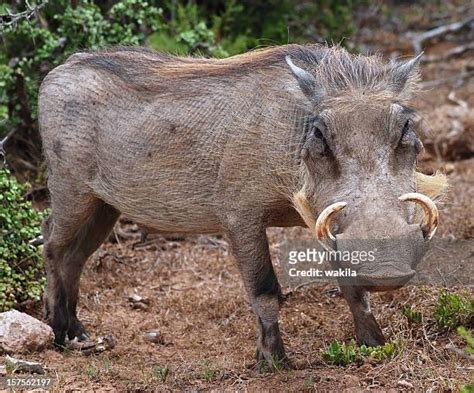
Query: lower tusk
323, 222
430, 221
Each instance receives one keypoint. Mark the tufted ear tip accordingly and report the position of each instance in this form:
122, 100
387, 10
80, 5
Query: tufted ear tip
404, 72
306, 81
297, 71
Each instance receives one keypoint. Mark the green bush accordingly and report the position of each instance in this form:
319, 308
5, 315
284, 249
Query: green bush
21, 268
220, 28
31, 48
453, 309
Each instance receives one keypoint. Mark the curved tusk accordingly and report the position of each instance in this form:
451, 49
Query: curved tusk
430, 222
324, 220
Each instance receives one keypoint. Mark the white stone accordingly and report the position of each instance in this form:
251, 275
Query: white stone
20, 332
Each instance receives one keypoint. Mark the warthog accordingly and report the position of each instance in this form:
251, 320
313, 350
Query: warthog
190, 145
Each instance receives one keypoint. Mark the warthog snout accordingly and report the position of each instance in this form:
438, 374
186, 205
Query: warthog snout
389, 260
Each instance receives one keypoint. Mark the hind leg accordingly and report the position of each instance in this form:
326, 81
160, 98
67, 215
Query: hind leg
71, 236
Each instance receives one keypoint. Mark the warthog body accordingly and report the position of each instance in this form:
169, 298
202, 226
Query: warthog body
202, 146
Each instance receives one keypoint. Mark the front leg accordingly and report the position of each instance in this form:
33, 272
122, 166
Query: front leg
249, 246
367, 330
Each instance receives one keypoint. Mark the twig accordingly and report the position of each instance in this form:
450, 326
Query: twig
460, 352
418, 39
9, 19
24, 366
457, 51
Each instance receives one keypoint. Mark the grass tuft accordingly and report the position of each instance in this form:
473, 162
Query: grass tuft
453, 310
161, 373
412, 315
343, 354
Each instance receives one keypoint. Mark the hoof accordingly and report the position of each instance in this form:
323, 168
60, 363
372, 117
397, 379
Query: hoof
371, 338
77, 330
368, 332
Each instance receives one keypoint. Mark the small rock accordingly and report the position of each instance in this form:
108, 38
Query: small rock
20, 332
134, 298
139, 306
154, 336
405, 384
24, 366
138, 302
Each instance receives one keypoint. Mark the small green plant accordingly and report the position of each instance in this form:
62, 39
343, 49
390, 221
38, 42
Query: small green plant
308, 383
467, 336
468, 388
454, 309
9, 367
161, 373
21, 268
386, 351
92, 372
342, 354
412, 315
278, 363
209, 373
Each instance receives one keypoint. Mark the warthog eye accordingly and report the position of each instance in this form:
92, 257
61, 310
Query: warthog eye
406, 128
315, 142
317, 132
408, 135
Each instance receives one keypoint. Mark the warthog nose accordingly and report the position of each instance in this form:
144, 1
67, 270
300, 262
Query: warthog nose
386, 277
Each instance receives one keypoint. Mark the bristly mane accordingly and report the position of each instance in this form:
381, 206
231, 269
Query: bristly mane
337, 70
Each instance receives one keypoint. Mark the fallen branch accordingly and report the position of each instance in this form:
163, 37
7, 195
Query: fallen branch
90, 347
418, 39
457, 51
24, 366
9, 19
460, 352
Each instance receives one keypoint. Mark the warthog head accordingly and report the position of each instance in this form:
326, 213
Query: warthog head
359, 158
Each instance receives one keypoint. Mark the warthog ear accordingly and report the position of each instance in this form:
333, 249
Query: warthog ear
405, 74
307, 82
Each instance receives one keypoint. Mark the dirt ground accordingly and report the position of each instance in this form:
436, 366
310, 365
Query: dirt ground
197, 302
